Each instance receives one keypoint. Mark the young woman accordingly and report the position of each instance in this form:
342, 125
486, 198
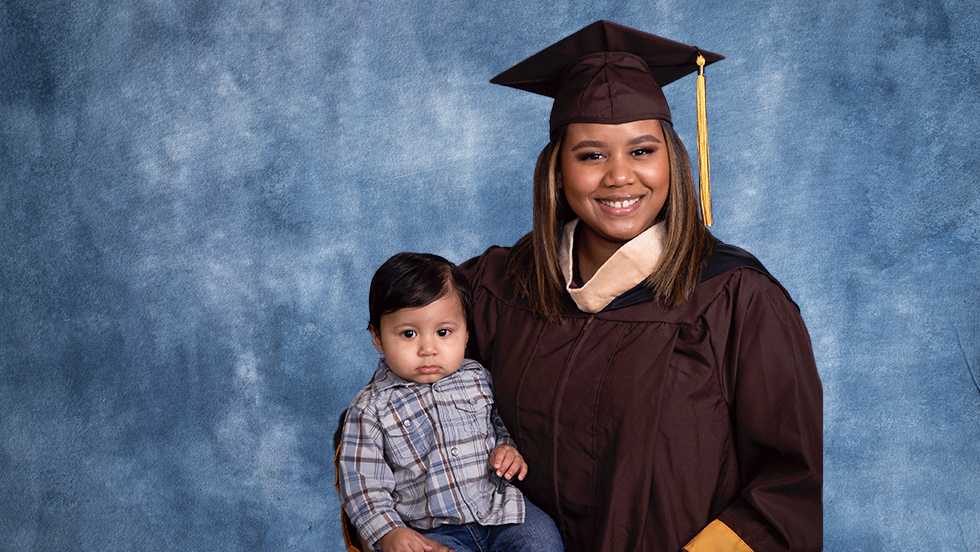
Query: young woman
660, 384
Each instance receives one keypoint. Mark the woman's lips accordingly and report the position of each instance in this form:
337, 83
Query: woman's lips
619, 205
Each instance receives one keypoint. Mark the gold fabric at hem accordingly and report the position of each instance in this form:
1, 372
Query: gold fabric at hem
717, 537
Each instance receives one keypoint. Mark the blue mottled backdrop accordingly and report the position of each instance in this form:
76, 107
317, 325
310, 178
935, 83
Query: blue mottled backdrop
195, 194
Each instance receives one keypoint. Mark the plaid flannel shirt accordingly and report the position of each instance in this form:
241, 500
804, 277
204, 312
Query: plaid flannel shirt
417, 454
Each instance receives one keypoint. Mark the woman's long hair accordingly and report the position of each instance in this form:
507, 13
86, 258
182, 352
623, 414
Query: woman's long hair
533, 265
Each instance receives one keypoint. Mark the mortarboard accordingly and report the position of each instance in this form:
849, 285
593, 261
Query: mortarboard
610, 74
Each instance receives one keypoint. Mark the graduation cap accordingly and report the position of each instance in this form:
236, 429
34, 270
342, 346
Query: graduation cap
610, 74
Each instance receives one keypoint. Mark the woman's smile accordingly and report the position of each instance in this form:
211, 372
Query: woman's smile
621, 205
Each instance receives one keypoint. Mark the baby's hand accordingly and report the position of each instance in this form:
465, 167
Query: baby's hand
404, 539
506, 461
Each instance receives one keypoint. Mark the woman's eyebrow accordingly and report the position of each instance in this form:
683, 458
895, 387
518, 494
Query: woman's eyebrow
589, 144
644, 138
601, 144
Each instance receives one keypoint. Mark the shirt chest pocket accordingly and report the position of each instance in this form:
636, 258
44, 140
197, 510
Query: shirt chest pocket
408, 436
472, 411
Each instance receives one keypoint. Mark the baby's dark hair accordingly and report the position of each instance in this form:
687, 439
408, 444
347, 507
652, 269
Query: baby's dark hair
415, 280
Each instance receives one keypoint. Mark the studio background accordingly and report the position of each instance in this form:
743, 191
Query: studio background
196, 193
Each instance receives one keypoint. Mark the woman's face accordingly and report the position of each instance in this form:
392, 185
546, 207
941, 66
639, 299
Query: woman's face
615, 177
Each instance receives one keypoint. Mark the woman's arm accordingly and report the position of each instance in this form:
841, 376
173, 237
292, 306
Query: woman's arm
482, 323
776, 403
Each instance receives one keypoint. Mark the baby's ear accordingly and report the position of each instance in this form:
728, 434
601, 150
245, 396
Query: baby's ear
376, 339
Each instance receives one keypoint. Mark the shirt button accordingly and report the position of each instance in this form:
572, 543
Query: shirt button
408, 423
473, 400
455, 451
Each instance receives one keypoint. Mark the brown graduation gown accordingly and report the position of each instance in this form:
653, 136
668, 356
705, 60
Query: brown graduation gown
640, 425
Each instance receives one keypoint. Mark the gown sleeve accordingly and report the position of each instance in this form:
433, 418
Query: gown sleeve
776, 403
500, 430
483, 321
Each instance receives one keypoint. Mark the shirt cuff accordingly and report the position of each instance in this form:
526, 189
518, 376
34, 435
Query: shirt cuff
717, 537
373, 529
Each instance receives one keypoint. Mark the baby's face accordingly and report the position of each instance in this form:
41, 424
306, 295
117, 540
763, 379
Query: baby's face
424, 344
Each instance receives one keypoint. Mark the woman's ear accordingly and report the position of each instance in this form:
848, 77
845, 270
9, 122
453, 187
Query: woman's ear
376, 339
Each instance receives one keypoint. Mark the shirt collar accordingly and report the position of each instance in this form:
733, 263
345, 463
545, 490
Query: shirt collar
384, 378
628, 266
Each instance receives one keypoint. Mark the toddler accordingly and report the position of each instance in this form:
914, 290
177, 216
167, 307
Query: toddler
423, 453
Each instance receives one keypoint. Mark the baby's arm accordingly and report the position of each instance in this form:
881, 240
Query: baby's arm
505, 459
507, 462
404, 539
366, 480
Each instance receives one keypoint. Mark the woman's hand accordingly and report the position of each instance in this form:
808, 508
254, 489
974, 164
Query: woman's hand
506, 461
404, 539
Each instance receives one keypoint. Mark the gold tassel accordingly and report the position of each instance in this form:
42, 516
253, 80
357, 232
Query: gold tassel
703, 172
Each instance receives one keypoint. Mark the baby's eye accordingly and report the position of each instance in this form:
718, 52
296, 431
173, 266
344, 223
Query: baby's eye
409, 334
443, 332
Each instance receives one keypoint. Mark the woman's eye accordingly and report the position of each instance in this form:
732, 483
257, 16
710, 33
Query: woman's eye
409, 334
641, 151
591, 156
443, 332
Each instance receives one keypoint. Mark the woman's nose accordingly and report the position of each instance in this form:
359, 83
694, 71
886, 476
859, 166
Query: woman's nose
619, 172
